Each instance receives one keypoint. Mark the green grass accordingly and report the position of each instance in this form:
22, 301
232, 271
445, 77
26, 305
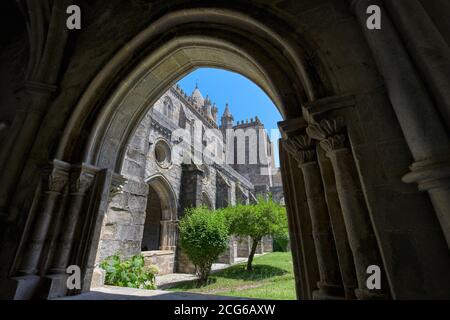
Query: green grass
272, 278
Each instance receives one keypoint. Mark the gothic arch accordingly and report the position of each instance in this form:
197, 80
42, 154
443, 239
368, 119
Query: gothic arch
283, 77
167, 222
167, 195
299, 60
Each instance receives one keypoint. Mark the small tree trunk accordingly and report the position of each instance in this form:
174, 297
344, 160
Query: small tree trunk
203, 275
252, 254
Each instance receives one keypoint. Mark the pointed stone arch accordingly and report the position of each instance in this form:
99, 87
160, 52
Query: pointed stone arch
161, 227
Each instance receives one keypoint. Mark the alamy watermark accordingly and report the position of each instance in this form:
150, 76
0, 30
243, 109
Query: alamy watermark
199, 145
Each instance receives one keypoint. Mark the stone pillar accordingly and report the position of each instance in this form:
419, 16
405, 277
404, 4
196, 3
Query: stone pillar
169, 234
55, 178
191, 196
47, 32
81, 179
427, 47
301, 219
191, 186
303, 150
345, 256
361, 236
427, 137
54, 182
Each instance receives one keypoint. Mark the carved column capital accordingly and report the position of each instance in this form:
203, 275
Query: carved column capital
118, 183
301, 147
330, 133
55, 177
80, 181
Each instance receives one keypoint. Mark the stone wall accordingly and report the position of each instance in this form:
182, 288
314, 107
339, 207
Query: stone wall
123, 224
164, 260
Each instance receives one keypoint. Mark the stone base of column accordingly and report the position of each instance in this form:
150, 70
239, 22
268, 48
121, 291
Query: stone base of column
98, 278
328, 291
53, 286
368, 295
20, 288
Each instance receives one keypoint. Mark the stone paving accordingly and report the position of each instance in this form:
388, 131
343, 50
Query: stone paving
169, 280
121, 293
162, 282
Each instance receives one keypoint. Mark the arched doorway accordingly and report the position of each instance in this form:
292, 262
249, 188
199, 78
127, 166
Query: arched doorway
125, 107
160, 227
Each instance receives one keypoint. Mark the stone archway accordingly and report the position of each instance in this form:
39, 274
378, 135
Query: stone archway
285, 82
160, 228
344, 123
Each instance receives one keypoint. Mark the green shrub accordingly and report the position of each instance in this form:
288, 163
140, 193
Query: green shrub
203, 237
129, 273
280, 242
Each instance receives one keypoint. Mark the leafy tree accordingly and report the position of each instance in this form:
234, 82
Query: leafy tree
203, 237
132, 273
281, 242
257, 220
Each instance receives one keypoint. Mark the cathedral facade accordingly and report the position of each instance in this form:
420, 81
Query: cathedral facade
164, 172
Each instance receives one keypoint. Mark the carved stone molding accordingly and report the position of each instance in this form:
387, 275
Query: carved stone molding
301, 147
56, 177
330, 133
429, 174
81, 180
117, 185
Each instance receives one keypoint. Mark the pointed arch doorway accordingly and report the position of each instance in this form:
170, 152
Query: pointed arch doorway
160, 227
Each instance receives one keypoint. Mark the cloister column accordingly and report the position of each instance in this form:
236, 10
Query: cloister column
81, 180
302, 149
299, 219
424, 131
47, 33
333, 139
345, 255
428, 49
55, 178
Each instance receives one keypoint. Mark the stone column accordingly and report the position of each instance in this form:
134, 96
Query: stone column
345, 256
47, 34
53, 184
361, 236
81, 179
422, 126
192, 186
303, 150
169, 234
27, 279
427, 47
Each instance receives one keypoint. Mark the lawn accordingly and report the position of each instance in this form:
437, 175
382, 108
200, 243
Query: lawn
272, 278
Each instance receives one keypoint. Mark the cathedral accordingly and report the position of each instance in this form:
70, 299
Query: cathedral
160, 178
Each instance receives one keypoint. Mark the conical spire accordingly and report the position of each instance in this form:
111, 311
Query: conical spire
227, 113
197, 96
227, 118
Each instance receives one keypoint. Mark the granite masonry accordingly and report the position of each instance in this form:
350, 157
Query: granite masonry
158, 184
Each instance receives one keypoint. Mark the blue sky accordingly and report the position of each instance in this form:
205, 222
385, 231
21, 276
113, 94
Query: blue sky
246, 99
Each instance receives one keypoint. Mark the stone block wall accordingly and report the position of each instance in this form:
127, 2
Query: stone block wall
123, 224
164, 260
230, 254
